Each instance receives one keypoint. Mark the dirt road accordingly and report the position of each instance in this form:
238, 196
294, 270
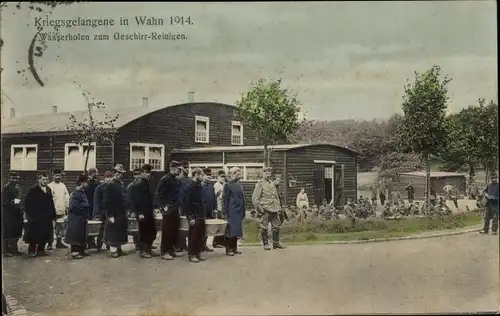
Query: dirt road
456, 273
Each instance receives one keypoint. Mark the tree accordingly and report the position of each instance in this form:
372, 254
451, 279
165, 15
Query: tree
424, 128
91, 129
474, 138
271, 111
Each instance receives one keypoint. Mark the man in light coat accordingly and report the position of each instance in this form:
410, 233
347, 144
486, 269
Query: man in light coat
266, 200
60, 196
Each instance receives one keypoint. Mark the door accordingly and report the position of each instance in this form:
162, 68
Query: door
329, 183
338, 185
319, 183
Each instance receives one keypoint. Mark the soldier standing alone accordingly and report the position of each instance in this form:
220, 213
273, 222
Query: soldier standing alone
266, 201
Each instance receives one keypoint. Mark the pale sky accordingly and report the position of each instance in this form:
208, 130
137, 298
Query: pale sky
344, 59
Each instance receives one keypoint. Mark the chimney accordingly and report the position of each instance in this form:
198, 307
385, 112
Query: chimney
54, 109
191, 97
12, 112
144, 102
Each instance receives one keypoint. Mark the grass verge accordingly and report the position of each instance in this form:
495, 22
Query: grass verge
316, 231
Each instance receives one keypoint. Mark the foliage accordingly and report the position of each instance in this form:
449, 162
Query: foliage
395, 163
423, 126
271, 111
91, 129
342, 229
473, 137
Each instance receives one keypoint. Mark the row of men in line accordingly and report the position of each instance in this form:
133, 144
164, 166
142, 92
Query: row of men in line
111, 201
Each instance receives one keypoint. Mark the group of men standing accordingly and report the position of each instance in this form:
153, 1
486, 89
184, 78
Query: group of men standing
109, 201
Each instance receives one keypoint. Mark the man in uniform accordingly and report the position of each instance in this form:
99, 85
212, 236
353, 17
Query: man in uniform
167, 193
12, 221
451, 193
491, 208
93, 182
116, 229
60, 195
135, 235
218, 241
99, 213
410, 190
266, 201
209, 200
183, 180
193, 205
141, 205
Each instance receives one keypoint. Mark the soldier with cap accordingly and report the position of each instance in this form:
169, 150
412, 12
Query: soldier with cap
184, 180
135, 235
141, 204
167, 193
209, 200
12, 216
193, 205
99, 213
60, 195
92, 184
491, 208
116, 229
266, 201
218, 241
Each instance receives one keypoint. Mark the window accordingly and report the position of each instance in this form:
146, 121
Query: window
202, 129
75, 155
236, 133
23, 157
152, 154
249, 171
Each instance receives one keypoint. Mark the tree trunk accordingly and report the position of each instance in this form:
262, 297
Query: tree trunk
472, 175
427, 181
267, 156
86, 159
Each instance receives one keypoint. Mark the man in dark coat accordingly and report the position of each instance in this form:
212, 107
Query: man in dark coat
141, 205
167, 195
410, 190
135, 235
99, 213
192, 204
184, 180
40, 214
78, 215
12, 222
116, 230
491, 208
234, 210
92, 184
209, 200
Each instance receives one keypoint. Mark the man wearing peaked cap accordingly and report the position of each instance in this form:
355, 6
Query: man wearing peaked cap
116, 229
491, 209
266, 201
209, 200
184, 180
167, 195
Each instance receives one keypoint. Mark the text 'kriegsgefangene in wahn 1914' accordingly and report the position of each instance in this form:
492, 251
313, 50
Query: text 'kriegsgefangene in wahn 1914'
118, 36
175, 20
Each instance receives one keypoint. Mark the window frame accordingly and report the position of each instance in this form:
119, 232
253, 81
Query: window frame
237, 123
81, 151
205, 119
24, 147
146, 157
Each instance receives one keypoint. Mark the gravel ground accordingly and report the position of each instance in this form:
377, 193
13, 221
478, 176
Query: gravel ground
446, 274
